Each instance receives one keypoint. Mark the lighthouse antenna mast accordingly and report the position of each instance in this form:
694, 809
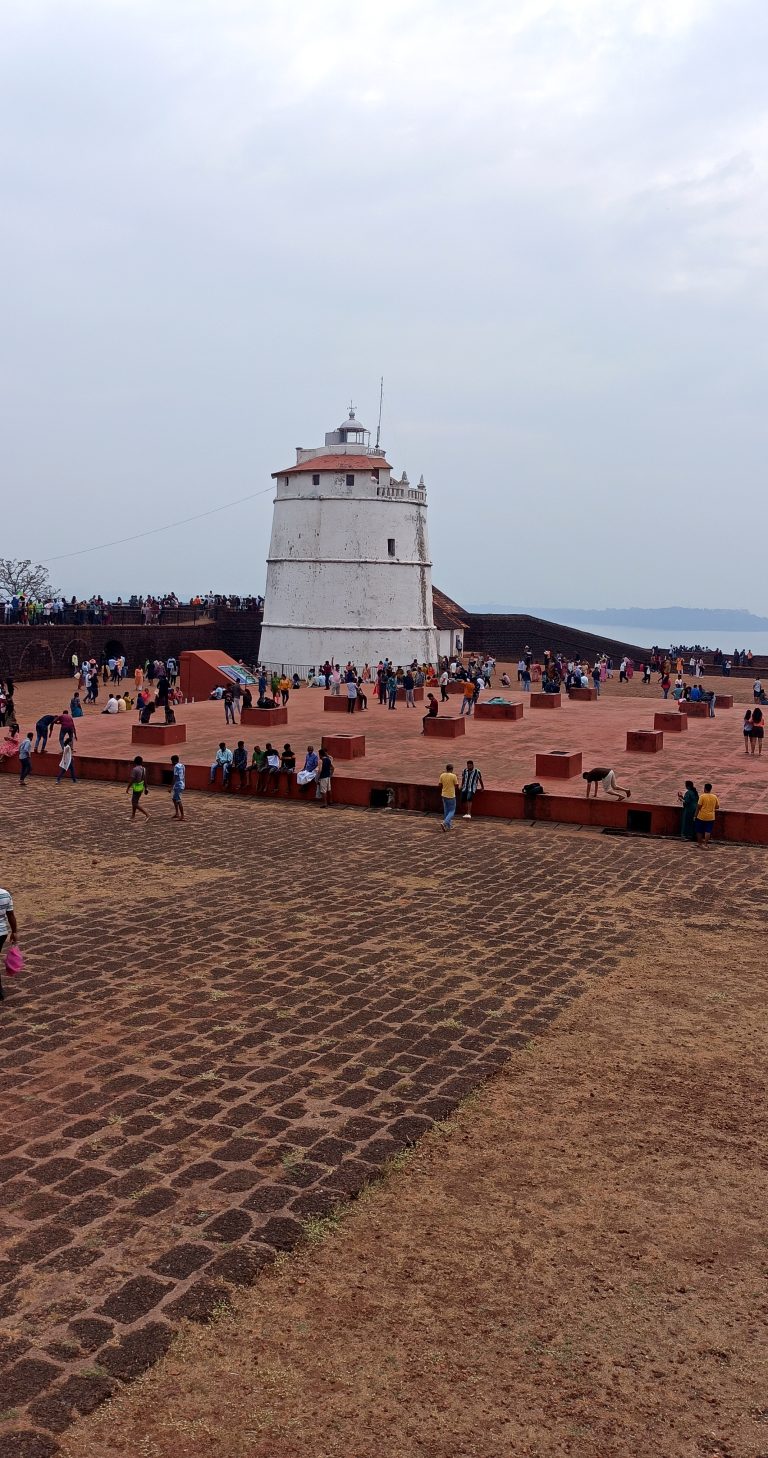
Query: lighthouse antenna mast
381, 402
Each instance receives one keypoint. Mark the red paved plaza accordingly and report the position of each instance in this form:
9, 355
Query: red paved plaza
506, 752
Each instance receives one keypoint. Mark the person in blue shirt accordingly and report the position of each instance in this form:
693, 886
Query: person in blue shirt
43, 728
25, 758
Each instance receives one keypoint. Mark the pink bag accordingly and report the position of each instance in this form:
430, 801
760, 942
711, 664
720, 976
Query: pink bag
14, 960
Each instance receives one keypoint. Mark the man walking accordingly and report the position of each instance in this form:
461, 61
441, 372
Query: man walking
449, 786
325, 774
25, 758
471, 782
351, 695
66, 763
178, 787
136, 787
706, 811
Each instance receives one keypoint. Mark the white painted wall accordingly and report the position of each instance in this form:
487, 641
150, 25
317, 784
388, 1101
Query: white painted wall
332, 589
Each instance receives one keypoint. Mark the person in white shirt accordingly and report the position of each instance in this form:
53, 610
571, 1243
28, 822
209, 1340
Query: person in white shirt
66, 763
273, 769
223, 762
113, 706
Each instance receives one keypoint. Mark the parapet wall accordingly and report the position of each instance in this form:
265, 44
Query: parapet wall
45, 651
506, 634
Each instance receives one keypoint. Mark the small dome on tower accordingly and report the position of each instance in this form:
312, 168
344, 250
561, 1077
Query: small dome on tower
352, 423
350, 433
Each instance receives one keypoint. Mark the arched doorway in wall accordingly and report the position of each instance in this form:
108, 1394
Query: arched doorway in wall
78, 646
37, 660
113, 648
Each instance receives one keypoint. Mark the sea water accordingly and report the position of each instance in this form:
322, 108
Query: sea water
646, 637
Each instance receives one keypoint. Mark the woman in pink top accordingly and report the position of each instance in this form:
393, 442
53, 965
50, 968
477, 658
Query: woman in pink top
10, 744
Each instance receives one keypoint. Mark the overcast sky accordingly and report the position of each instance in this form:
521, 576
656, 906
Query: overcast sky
543, 221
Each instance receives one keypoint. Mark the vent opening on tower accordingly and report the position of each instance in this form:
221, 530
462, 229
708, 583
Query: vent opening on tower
391, 546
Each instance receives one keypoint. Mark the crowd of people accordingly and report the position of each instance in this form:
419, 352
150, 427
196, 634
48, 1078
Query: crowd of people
154, 688
28, 609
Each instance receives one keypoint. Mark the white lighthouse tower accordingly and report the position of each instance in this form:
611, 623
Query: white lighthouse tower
348, 573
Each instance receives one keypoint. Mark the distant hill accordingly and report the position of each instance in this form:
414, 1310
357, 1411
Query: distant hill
722, 619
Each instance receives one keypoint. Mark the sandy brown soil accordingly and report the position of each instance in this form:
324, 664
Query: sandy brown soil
228, 1028
574, 1264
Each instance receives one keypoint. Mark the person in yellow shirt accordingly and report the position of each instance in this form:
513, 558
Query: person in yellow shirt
449, 787
706, 810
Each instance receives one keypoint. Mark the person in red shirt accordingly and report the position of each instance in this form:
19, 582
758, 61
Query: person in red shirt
67, 728
431, 710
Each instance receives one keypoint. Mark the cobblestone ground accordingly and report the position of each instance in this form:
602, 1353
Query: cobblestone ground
229, 1026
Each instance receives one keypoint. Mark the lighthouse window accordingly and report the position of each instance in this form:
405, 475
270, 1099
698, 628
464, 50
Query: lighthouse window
350, 480
316, 478
391, 546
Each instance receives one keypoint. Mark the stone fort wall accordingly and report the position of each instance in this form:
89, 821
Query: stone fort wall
506, 634
46, 651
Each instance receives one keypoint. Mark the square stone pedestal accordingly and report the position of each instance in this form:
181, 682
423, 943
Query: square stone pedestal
444, 728
558, 764
545, 701
672, 723
158, 733
418, 694
498, 711
335, 704
723, 701
264, 718
645, 741
584, 695
344, 746
695, 710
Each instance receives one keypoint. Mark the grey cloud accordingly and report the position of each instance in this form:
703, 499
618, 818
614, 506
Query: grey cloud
543, 224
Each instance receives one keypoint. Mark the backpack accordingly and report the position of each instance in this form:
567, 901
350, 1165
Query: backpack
534, 789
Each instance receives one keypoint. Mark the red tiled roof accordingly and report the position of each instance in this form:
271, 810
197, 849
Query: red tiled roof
337, 463
446, 612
